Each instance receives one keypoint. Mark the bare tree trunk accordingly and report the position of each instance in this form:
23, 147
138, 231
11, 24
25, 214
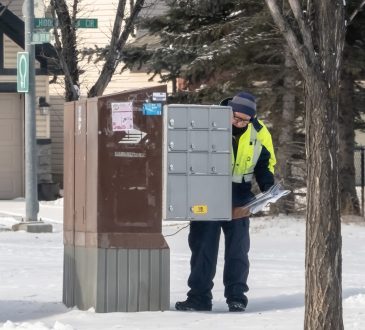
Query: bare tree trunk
349, 200
323, 298
318, 51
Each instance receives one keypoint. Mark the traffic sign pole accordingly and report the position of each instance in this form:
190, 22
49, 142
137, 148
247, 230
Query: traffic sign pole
31, 193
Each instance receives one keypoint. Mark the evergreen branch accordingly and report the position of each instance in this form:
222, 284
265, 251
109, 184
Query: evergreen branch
211, 32
356, 11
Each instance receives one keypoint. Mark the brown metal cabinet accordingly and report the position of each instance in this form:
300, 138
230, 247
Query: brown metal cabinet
116, 258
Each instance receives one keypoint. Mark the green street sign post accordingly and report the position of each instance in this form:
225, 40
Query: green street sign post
22, 72
44, 23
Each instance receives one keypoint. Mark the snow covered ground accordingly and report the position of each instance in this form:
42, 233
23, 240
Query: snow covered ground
31, 279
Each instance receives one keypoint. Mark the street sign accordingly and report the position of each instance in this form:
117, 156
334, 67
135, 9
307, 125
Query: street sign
87, 23
41, 37
44, 23
22, 77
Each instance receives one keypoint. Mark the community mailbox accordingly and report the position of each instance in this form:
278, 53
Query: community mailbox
198, 181
116, 258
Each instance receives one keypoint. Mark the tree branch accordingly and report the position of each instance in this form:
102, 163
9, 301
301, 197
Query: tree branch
296, 48
356, 11
65, 68
114, 57
74, 11
129, 24
307, 37
119, 16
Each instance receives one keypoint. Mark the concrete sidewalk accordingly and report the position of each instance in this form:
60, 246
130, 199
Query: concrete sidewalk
48, 211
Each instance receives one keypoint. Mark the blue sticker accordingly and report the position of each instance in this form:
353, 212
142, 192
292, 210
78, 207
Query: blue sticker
152, 109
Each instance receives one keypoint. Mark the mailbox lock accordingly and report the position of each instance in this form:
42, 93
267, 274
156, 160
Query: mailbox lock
192, 146
172, 122
213, 147
192, 123
214, 124
171, 145
171, 167
214, 170
171, 208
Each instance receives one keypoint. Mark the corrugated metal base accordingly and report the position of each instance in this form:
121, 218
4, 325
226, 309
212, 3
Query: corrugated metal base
116, 280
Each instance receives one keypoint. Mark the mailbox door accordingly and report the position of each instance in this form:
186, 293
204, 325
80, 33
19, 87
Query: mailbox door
219, 121
206, 191
220, 141
198, 118
177, 141
177, 117
176, 163
198, 141
177, 198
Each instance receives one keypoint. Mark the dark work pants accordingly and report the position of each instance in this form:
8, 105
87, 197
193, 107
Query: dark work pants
204, 245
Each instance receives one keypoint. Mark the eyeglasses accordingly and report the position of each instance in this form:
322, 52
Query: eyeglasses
239, 119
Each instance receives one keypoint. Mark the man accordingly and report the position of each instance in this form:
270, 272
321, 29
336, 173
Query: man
253, 154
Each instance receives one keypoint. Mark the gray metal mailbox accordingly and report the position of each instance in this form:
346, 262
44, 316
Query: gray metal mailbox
197, 158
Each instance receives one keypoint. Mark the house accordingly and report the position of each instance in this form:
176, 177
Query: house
12, 107
49, 126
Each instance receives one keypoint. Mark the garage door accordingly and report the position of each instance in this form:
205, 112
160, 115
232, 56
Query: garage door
11, 146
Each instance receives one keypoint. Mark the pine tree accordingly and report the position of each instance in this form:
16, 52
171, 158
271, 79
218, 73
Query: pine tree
232, 46
226, 46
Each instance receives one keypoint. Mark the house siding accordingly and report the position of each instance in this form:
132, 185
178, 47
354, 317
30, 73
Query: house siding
16, 7
42, 121
56, 126
10, 53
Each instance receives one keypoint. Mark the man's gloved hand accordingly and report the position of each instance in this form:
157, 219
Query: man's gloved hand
240, 212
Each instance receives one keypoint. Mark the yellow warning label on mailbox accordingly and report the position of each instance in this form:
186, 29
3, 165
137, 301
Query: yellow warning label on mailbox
200, 209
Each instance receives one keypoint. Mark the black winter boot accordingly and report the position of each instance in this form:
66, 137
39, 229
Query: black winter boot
192, 304
237, 305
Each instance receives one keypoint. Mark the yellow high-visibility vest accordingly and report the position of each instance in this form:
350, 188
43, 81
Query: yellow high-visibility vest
248, 152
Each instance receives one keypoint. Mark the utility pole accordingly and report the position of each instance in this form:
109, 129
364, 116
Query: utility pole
31, 192
30, 223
